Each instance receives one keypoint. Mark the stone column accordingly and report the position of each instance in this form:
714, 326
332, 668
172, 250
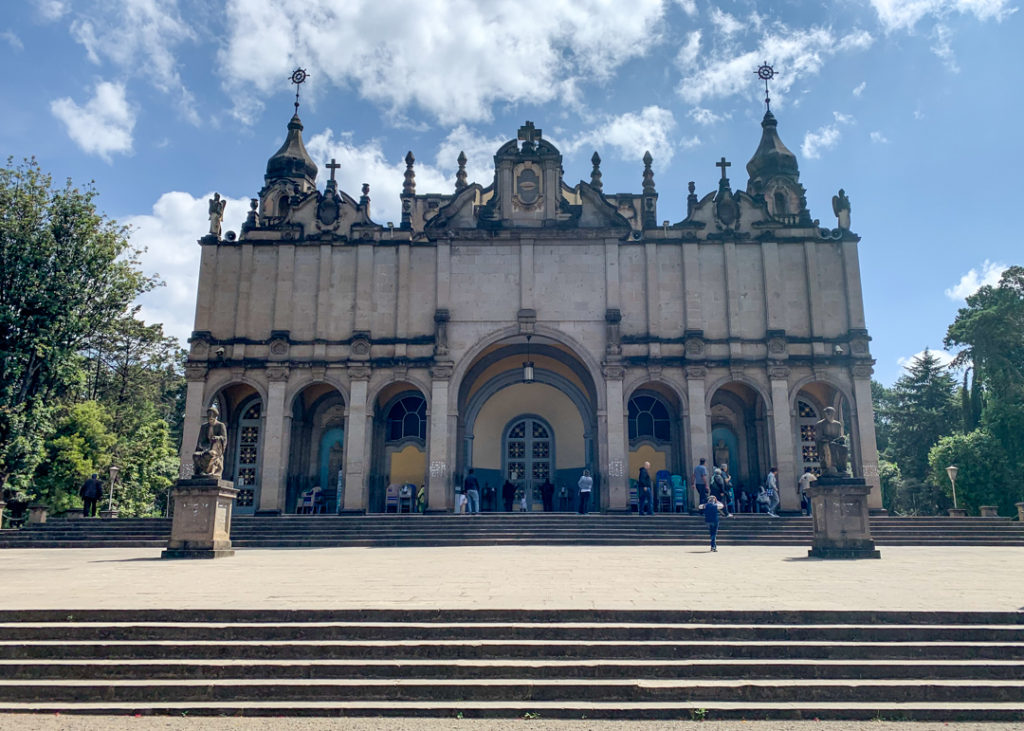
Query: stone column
782, 428
866, 434
356, 459
439, 486
700, 438
274, 443
615, 484
196, 376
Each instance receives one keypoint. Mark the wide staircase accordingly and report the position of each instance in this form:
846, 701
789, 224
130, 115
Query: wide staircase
319, 531
517, 664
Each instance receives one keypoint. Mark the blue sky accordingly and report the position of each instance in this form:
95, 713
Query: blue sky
911, 106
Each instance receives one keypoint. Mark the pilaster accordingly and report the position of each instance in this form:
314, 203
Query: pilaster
356, 457
865, 426
196, 385
615, 484
274, 443
700, 435
782, 430
439, 485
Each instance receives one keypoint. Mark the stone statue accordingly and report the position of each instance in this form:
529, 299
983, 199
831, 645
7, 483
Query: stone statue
217, 206
721, 453
833, 446
841, 207
208, 457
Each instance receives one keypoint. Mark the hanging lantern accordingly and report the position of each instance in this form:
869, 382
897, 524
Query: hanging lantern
528, 364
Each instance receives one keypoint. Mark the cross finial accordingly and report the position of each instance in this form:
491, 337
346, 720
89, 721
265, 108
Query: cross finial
332, 166
723, 164
528, 134
298, 78
766, 73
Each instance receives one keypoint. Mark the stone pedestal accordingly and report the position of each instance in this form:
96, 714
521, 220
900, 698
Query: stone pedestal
108, 514
839, 506
1020, 511
989, 511
37, 514
957, 512
201, 527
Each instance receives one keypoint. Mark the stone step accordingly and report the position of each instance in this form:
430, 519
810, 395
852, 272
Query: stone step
516, 689
101, 669
706, 710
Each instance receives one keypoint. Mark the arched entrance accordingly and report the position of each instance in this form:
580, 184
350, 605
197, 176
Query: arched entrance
740, 436
654, 425
317, 446
241, 409
544, 428
399, 442
811, 400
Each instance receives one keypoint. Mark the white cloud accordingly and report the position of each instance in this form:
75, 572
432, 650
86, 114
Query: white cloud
843, 118
825, 138
689, 51
942, 356
104, 125
407, 54
688, 143
974, 280
905, 14
879, 138
943, 47
632, 135
794, 53
13, 40
479, 155
51, 10
859, 88
705, 117
169, 234
139, 37
689, 6
724, 23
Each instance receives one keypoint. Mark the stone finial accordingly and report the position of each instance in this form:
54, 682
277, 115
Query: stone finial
409, 187
460, 176
650, 195
595, 175
648, 174
691, 199
252, 219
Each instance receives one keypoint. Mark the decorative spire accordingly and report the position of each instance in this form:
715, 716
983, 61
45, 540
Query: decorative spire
595, 174
298, 77
292, 161
409, 188
771, 159
766, 73
460, 176
650, 195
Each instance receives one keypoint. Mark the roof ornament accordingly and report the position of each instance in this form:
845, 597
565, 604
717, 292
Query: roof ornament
766, 73
409, 185
298, 78
529, 135
460, 176
595, 174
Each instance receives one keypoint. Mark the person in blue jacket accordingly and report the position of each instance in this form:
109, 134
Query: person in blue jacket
711, 510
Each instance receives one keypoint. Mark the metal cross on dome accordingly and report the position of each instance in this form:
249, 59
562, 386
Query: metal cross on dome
766, 73
298, 78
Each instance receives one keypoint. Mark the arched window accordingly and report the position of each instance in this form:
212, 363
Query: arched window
808, 417
407, 418
781, 204
649, 419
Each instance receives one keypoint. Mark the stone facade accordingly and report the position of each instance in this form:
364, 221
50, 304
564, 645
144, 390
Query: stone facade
351, 355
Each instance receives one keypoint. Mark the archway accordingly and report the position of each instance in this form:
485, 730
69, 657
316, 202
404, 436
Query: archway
654, 426
528, 431
399, 441
241, 409
317, 446
811, 400
740, 435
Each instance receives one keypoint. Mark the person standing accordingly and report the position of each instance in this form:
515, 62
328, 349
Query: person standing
719, 488
91, 491
547, 494
508, 494
471, 486
586, 484
771, 488
644, 493
700, 481
805, 481
711, 511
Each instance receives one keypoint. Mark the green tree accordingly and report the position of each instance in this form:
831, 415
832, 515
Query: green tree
983, 477
80, 445
66, 272
892, 487
881, 398
148, 465
921, 409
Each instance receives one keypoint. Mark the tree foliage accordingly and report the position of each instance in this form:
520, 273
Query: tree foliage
983, 477
66, 273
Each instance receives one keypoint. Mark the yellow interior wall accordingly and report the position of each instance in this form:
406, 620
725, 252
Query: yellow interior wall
646, 453
408, 465
528, 398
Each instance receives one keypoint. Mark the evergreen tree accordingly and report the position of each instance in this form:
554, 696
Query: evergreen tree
921, 409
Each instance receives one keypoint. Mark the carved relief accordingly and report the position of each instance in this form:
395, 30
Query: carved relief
528, 184
696, 371
359, 373
694, 347
778, 372
361, 345
277, 373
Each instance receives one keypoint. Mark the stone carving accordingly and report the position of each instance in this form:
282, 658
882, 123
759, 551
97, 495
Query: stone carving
217, 207
833, 445
841, 207
613, 320
441, 318
721, 453
208, 457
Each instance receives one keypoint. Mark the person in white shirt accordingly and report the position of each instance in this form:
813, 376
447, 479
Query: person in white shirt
805, 481
586, 484
771, 486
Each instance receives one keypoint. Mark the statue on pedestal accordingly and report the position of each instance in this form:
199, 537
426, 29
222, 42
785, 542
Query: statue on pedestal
208, 456
841, 207
721, 453
833, 446
217, 206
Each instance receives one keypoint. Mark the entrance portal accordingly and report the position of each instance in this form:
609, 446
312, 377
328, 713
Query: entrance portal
529, 453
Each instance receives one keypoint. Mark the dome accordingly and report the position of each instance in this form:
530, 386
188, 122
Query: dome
292, 160
772, 159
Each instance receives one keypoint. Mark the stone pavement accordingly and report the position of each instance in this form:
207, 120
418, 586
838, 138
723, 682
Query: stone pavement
516, 577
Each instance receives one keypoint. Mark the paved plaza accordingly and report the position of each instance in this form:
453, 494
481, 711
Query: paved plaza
517, 577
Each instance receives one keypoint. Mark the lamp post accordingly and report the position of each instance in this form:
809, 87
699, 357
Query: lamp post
113, 479
951, 471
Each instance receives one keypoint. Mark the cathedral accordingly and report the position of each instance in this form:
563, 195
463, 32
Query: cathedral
529, 330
